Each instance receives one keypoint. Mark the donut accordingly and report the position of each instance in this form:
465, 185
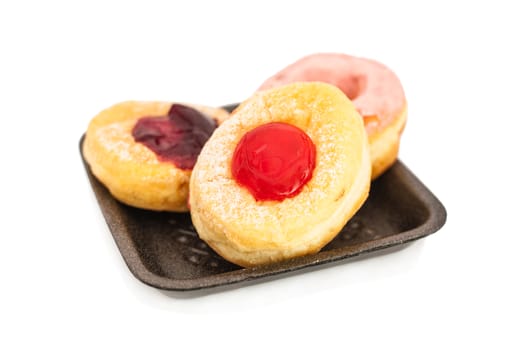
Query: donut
144, 152
281, 177
374, 89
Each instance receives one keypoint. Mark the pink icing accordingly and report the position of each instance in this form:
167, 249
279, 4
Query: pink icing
374, 89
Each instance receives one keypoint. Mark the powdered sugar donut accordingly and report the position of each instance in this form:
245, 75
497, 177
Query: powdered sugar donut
282, 176
144, 152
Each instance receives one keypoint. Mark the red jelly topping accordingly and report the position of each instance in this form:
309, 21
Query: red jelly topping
274, 161
177, 137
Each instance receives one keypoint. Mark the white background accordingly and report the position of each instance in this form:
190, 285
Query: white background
64, 284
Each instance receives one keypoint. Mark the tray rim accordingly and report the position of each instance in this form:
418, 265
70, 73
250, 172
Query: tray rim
434, 222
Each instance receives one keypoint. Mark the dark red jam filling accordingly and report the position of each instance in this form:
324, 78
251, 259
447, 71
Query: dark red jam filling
177, 137
274, 161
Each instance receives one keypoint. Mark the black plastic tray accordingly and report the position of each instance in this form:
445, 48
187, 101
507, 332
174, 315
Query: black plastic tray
163, 250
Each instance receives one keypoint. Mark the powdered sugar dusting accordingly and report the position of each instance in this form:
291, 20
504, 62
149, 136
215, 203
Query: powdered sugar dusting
231, 208
118, 140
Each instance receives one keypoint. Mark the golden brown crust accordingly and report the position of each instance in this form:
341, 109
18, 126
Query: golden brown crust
249, 232
131, 171
384, 144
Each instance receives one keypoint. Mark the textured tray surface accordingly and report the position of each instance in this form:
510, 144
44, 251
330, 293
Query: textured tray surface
163, 250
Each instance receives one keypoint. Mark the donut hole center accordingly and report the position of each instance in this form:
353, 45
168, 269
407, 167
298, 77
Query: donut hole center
352, 86
274, 161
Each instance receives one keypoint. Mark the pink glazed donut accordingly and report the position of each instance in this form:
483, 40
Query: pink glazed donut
374, 89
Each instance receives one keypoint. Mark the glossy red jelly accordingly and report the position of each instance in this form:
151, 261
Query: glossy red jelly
177, 137
274, 161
